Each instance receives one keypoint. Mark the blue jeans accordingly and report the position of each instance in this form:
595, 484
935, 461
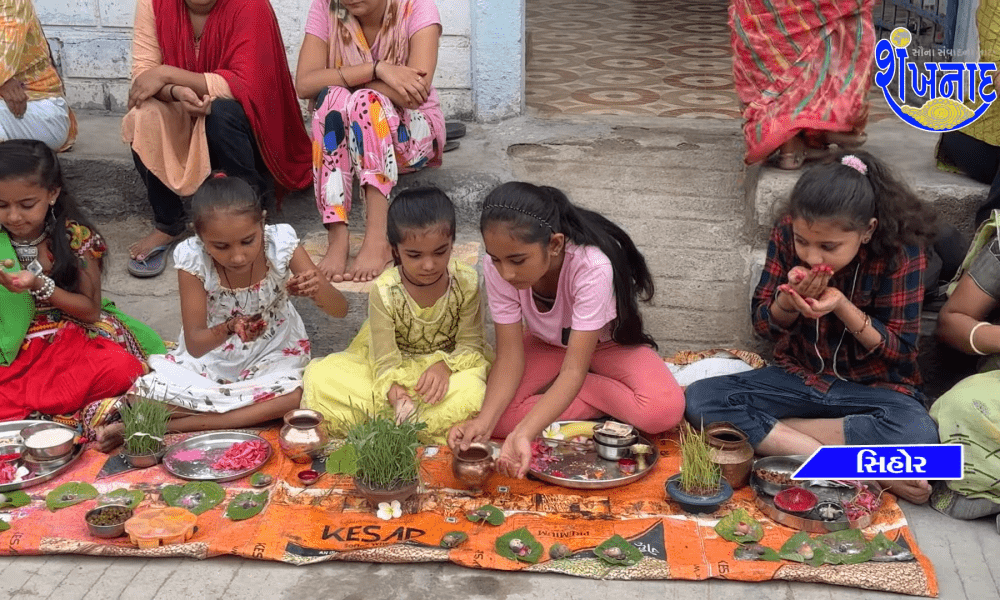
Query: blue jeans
756, 400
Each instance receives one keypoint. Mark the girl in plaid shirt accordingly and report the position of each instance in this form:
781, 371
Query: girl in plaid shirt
840, 296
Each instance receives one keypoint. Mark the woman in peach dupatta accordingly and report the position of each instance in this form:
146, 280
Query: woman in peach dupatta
802, 71
368, 66
211, 89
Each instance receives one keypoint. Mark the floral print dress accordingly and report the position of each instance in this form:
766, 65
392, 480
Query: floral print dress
236, 374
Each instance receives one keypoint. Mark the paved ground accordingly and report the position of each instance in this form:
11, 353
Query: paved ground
696, 213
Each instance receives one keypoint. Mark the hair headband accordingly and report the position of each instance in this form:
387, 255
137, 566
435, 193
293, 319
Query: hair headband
523, 212
855, 163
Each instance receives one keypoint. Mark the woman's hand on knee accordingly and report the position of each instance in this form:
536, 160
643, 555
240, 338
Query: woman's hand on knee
146, 85
408, 82
191, 103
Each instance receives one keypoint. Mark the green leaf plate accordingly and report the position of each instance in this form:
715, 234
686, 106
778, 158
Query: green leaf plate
246, 505
616, 550
487, 513
69, 494
531, 550
123, 496
196, 496
738, 526
15, 499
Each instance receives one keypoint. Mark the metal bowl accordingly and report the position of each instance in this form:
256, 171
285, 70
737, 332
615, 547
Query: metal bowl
615, 453
48, 452
107, 531
614, 440
786, 465
11, 449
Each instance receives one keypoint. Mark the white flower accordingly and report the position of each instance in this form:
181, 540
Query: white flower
388, 511
552, 432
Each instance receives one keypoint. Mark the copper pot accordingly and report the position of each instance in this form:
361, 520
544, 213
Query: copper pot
731, 451
474, 465
303, 436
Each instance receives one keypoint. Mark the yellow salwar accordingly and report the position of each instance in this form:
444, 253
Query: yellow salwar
397, 343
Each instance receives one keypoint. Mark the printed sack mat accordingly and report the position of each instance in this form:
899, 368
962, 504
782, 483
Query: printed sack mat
330, 520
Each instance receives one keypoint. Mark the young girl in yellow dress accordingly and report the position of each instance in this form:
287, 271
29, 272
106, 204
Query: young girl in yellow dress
423, 348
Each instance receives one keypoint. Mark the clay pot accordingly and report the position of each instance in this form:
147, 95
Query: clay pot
400, 492
474, 465
731, 451
303, 437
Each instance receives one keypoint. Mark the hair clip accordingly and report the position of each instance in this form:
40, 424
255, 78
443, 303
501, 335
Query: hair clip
855, 163
218, 175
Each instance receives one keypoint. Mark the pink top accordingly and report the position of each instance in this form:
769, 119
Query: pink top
585, 298
425, 14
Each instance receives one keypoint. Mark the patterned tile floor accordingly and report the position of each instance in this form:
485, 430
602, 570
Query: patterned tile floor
666, 58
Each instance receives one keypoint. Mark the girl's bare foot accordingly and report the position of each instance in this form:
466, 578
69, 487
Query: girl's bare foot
110, 436
373, 258
154, 239
914, 491
334, 262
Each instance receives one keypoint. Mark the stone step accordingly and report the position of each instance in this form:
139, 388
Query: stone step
904, 148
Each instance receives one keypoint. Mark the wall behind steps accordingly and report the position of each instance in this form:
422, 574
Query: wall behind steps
92, 44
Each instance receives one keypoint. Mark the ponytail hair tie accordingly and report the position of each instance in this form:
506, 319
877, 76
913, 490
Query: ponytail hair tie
218, 175
855, 163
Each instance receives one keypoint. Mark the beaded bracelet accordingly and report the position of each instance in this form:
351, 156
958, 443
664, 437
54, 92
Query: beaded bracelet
868, 321
972, 335
47, 289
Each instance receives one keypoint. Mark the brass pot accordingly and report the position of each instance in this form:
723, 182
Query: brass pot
474, 465
303, 436
731, 451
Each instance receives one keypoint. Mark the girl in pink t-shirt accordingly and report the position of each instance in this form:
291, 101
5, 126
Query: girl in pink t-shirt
367, 65
573, 278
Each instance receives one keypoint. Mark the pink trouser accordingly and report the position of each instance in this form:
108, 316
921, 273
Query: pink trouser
362, 134
629, 383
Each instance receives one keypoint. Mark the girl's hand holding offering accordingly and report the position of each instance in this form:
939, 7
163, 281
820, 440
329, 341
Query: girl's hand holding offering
304, 284
248, 328
461, 436
18, 283
515, 456
814, 308
433, 383
810, 283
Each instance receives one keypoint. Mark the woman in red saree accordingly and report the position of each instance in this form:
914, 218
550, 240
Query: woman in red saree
210, 90
802, 71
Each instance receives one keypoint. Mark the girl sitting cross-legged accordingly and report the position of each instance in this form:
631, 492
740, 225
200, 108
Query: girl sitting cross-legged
840, 295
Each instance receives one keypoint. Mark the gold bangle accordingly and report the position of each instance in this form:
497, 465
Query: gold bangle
868, 321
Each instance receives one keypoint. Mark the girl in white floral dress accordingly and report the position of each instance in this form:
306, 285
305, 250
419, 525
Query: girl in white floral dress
243, 346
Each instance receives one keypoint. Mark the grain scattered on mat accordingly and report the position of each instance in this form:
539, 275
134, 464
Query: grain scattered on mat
899, 578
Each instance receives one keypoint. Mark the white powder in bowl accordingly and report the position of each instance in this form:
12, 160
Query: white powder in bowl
47, 438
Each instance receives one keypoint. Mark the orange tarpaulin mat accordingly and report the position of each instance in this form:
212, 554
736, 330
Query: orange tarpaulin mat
331, 521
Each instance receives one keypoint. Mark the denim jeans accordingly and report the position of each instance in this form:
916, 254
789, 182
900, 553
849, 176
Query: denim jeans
232, 148
756, 400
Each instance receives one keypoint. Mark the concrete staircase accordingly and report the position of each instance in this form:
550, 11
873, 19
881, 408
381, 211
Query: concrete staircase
679, 187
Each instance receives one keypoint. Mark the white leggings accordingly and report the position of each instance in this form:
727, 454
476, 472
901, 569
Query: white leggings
45, 120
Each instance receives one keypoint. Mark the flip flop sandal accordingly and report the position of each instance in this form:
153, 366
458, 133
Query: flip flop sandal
452, 145
790, 161
454, 130
151, 266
